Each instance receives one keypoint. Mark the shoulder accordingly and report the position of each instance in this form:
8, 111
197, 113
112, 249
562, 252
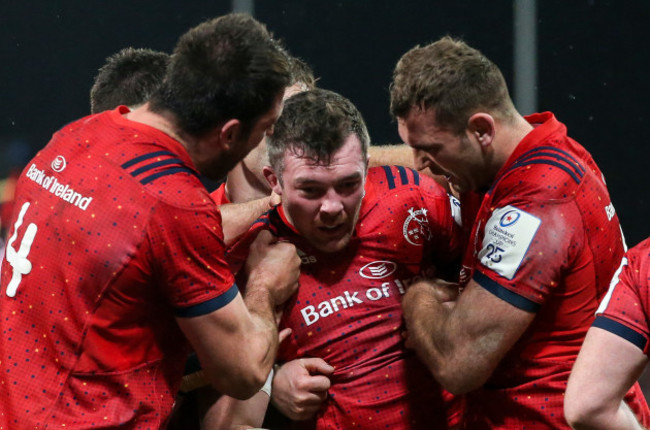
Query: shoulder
385, 180
639, 258
543, 173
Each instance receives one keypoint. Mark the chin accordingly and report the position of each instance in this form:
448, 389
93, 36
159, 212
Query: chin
333, 246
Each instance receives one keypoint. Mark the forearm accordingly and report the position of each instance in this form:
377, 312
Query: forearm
463, 341
424, 317
612, 418
265, 334
238, 217
227, 413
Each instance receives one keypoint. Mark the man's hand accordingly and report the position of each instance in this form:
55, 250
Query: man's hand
300, 387
437, 290
274, 266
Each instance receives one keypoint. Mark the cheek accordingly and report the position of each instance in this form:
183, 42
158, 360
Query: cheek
352, 203
302, 211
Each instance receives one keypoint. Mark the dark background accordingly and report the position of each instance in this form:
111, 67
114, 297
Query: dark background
592, 64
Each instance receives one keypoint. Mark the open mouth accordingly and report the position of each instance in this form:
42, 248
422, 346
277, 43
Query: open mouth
332, 229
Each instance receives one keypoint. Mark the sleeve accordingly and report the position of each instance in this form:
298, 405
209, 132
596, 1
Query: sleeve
623, 310
525, 248
188, 250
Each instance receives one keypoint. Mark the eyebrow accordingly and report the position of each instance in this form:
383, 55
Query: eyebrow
304, 181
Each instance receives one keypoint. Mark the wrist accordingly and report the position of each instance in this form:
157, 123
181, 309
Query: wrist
259, 300
267, 387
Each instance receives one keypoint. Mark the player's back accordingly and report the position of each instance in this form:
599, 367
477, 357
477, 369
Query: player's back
81, 313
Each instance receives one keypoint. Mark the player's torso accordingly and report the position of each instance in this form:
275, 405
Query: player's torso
347, 311
80, 223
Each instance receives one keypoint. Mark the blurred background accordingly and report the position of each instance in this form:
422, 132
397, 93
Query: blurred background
584, 60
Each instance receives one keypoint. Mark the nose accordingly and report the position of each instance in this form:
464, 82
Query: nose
424, 160
331, 206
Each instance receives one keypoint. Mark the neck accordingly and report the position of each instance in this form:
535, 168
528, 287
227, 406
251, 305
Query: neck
162, 122
511, 134
242, 185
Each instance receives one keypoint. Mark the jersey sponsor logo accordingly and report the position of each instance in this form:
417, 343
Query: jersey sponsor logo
508, 235
63, 191
378, 269
348, 299
416, 227
58, 164
306, 259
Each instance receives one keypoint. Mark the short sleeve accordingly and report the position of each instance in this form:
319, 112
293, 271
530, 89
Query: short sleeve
188, 250
524, 250
624, 308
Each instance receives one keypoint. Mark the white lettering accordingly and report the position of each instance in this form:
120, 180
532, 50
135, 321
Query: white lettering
18, 259
308, 313
63, 191
610, 211
373, 294
325, 309
352, 299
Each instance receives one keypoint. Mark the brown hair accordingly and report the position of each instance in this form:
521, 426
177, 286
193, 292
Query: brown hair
315, 124
451, 77
128, 77
228, 67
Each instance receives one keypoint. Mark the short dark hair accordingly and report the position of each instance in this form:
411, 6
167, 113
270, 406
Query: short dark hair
451, 77
227, 67
315, 124
301, 72
129, 77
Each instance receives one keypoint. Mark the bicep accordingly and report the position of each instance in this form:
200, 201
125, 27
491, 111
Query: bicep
606, 368
218, 336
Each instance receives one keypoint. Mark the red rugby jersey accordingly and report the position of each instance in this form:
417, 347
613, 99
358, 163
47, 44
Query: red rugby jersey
624, 310
219, 195
347, 309
546, 240
112, 236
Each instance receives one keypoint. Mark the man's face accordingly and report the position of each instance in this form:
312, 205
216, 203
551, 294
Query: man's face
323, 201
457, 157
240, 148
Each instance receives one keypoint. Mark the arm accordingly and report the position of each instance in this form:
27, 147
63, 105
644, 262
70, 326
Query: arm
237, 343
461, 341
228, 413
238, 217
220, 412
400, 155
606, 368
300, 387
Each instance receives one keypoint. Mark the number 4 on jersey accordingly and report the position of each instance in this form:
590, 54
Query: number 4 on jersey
18, 260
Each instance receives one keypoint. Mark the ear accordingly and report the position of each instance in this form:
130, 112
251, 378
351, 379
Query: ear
229, 133
482, 126
272, 179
